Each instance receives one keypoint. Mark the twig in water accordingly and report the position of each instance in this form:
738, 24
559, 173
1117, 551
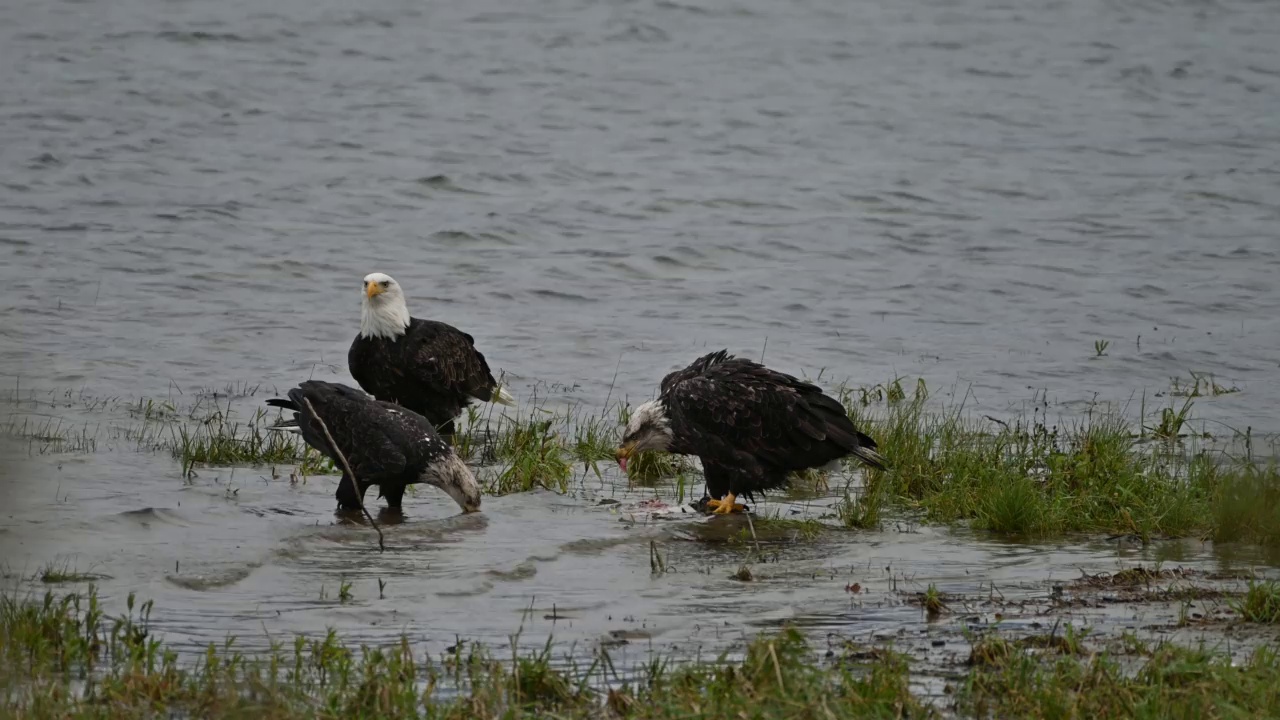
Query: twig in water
656, 564
382, 547
752, 527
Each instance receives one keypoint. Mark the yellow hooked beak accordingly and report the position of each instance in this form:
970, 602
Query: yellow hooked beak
624, 453
372, 288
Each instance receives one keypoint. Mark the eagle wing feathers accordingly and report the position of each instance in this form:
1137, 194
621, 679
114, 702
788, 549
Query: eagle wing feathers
729, 407
447, 357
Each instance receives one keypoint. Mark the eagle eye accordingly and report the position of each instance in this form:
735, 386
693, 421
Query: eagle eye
386, 283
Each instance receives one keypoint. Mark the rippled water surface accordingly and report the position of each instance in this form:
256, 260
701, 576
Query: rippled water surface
969, 191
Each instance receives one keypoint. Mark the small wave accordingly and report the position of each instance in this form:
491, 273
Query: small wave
443, 182
640, 32
200, 36
1208, 195
455, 237
479, 589
1145, 291
44, 160
211, 581
148, 515
523, 571
555, 295
998, 74
594, 253
594, 546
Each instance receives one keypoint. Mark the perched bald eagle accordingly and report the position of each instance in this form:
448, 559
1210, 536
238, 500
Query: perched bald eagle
749, 425
387, 445
430, 367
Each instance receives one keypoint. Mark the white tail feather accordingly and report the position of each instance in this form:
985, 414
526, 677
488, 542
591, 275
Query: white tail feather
502, 397
286, 428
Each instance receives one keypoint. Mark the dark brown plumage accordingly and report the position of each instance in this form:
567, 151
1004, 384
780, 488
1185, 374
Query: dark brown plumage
429, 367
386, 444
433, 369
749, 425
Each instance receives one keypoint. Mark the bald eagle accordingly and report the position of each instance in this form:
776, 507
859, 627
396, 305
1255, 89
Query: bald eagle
429, 367
749, 425
387, 445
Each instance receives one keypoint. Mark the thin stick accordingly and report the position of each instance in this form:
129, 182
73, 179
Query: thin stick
611, 384
355, 486
752, 526
777, 668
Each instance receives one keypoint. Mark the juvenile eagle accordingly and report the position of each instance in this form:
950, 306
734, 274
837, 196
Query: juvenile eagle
387, 445
429, 367
749, 425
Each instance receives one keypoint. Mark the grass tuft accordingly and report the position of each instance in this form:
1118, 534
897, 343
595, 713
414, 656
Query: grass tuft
55, 574
534, 458
218, 439
1261, 604
1200, 385
1175, 682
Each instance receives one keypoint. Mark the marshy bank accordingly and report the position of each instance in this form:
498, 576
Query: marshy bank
1109, 528
1149, 472
63, 657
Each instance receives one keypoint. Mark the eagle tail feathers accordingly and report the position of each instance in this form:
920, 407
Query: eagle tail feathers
502, 397
870, 457
290, 404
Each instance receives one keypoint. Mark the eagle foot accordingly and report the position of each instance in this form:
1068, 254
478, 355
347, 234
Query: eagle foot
725, 506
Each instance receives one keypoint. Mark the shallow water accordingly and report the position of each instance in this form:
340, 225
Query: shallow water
972, 192
264, 559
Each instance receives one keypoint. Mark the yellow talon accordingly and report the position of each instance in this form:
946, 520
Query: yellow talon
725, 506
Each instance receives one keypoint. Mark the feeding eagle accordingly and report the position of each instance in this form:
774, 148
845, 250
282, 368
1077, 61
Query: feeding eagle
749, 425
386, 445
431, 368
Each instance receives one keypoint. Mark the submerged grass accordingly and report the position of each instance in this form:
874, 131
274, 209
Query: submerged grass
1020, 477
55, 573
220, 440
204, 431
62, 657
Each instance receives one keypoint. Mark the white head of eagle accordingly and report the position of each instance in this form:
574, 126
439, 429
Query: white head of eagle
383, 312
648, 429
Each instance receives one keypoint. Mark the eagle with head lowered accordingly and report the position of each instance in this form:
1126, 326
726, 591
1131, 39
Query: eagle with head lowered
749, 425
430, 367
386, 445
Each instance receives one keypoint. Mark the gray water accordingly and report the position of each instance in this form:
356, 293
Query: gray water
971, 192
